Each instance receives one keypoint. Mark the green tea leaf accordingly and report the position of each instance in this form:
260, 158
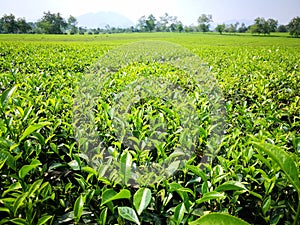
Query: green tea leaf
284, 160
126, 160
231, 186
266, 205
18, 202
128, 214
33, 128
2, 162
27, 168
7, 94
110, 195
197, 171
34, 187
179, 213
218, 219
44, 219
78, 207
6, 157
2, 209
103, 216
210, 196
141, 199
19, 221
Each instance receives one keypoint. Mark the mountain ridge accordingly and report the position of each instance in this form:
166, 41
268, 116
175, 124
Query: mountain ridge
102, 19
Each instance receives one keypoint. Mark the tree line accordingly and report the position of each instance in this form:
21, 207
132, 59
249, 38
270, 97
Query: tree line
54, 23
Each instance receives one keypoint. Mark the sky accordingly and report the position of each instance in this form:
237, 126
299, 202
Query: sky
187, 11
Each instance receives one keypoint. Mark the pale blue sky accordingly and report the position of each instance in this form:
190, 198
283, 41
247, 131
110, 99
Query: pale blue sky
187, 10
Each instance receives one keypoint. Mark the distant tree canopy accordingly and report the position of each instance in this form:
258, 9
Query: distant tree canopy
231, 28
54, 23
294, 27
220, 28
263, 26
10, 25
72, 24
165, 23
204, 22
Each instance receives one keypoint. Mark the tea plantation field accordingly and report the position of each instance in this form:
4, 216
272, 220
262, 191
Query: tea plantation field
83, 118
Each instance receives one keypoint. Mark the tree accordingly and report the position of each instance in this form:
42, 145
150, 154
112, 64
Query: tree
263, 26
142, 24
179, 27
272, 25
282, 28
150, 23
232, 28
163, 22
52, 23
220, 28
204, 22
23, 26
294, 27
9, 24
242, 28
72, 22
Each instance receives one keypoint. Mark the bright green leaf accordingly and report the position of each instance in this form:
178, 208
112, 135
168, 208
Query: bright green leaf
7, 94
218, 219
126, 160
141, 199
231, 186
103, 216
44, 219
210, 196
179, 213
284, 160
78, 207
34, 187
27, 168
197, 171
128, 214
110, 195
33, 128
18, 202
19, 221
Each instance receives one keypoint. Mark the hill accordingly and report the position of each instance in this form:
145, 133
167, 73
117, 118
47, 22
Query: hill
102, 19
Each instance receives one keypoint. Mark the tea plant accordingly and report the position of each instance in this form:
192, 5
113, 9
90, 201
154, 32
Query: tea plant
252, 176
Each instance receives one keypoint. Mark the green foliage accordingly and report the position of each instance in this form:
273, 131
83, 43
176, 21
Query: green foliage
46, 178
294, 27
141, 199
218, 219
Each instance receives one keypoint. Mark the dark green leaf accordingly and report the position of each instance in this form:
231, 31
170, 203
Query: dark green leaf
266, 205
